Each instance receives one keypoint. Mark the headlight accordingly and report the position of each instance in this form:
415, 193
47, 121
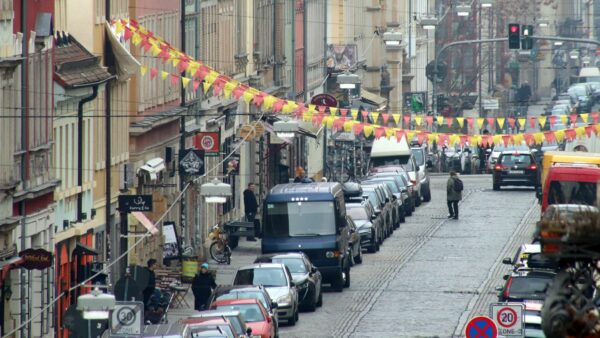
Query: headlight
333, 254
284, 300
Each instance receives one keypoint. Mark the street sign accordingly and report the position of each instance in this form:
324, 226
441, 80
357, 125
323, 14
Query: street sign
481, 327
38, 259
326, 100
191, 162
490, 104
509, 318
126, 319
131, 203
207, 141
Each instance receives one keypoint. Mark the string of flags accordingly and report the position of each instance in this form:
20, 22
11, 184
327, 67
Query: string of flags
370, 124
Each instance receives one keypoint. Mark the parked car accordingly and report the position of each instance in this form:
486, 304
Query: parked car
235, 318
390, 200
355, 242
277, 280
407, 187
368, 225
400, 197
382, 209
221, 325
515, 168
306, 276
258, 292
420, 155
584, 96
527, 286
256, 316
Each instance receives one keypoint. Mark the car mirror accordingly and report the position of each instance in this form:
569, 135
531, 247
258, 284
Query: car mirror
292, 283
505, 277
249, 330
499, 288
507, 260
314, 270
373, 217
269, 319
274, 305
387, 200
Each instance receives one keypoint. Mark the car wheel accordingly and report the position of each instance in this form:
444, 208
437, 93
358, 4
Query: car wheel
402, 218
409, 210
374, 242
418, 201
347, 280
296, 314
351, 255
320, 300
496, 186
312, 306
292, 320
377, 246
358, 258
338, 285
413, 206
427, 195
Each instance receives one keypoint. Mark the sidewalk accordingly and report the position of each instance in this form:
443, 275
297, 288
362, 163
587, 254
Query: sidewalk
243, 255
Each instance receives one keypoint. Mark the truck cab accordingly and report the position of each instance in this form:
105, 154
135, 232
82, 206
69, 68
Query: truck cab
310, 217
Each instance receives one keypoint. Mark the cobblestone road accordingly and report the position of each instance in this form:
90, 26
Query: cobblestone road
430, 277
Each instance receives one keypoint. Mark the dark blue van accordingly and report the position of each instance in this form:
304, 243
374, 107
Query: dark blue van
310, 217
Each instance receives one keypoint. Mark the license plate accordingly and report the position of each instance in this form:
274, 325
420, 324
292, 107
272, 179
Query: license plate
516, 171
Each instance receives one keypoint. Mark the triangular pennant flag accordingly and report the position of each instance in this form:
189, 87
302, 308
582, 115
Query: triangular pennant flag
421, 138
379, 132
238, 91
559, 135
563, 119
584, 117
491, 122
354, 113
470, 122
480, 121
268, 102
389, 132
348, 126
196, 84
463, 140
136, 39
542, 121
368, 130
418, 120
429, 120
573, 118
529, 140
278, 105
517, 139
552, 121
375, 116
333, 111
449, 121
440, 120
595, 116
343, 111
501, 122
127, 34
589, 130
358, 128
406, 121
154, 50
228, 89
539, 138
153, 73
522, 122
511, 122
205, 87
532, 122
385, 117
174, 79
461, 121
580, 131
549, 136
164, 75
396, 118
506, 139
364, 115
399, 135
185, 81
143, 70
248, 96
497, 139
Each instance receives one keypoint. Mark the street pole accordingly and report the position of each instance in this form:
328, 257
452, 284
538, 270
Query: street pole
480, 61
182, 204
23, 166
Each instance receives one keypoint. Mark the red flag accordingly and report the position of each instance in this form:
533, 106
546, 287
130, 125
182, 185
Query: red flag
552, 120
595, 116
358, 128
421, 137
153, 73
238, 92
463, 140
506, 139
379, 132
146, 45
164, 55
258, 99
406, 121
174, 79
202, 72
127, 33
589, 130
529, 139
364, 114
343, 112
218, 85
470, 122
278, 105
549, 136
385, 117
573, 118
570, 134
182, 66
449, 121
321, 108
532, 121
443, 138
511, 122
491, 122
399, 135
429, 120
196, 84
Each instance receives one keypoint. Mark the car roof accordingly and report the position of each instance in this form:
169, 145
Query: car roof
217, 320
263, 265
216, 313
282, 255
236, 301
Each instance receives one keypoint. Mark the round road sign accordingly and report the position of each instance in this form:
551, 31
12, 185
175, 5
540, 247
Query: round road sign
481, 327
507, 317
126, 315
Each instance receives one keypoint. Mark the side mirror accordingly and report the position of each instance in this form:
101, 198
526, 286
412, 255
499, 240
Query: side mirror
269, 319
507, 261
387, 200
499, 288
373, 217
292, 283
249, 330
274, 305
314, 270
505, 277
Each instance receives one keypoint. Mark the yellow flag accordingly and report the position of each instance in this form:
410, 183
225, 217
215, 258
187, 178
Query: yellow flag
440, 120
354, 113
539, 138
192, 68
518, 138
368, 130
312, 107
389, 132
205, 87
563, 119
461, 121
584, 117
307, 117
287, 108
559, 135
136, 39
498, 139
329, 121
333, 110
119, 27
501, 122
453, 139
396, 118
164, 75
374, 116
598, 128
143, 70
228, 88
248, 96
211, 77
480, 121
268, 102
432, 138
580, 131
154, 50
418, 120
348, 126
522, 122
542, 121
410, 135
185, 81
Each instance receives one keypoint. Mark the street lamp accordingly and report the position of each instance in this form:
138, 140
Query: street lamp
215, 191
574, 54
428, 23
286, 127
392, 39
486, 3
348, 81
96, 305
558, 43
543, 22
463, 10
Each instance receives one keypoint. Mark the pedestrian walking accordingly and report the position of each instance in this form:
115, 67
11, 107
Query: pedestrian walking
149, 290
301, 176
203, 285
454, 188
250, 208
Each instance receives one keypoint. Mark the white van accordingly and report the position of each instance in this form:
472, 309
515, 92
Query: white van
589, 74
391, 153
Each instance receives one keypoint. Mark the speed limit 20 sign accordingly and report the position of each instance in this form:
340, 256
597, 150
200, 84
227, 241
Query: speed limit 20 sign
509, 319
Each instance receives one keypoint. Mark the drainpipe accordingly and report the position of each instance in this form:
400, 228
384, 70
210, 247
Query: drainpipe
24, 158
80, 148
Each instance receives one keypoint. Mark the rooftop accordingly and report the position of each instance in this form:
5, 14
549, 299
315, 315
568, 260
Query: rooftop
75, 66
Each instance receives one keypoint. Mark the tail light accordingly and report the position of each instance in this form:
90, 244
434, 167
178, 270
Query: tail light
498, 167
414, 182
548, 247
506, 291
532, 167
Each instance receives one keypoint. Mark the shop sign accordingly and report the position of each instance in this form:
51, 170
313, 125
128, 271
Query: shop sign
38, 259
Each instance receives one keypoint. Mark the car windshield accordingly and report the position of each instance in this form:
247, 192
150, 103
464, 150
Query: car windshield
418, 155
250, 312
515, 159
245, 295
388, 161
529, 285
267, 277
579, 91
300, 219
357, 213
372, 196
295, 265
571, 192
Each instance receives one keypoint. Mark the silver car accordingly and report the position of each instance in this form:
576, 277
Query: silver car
277, 280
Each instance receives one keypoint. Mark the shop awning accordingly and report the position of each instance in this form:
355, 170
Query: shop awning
147, 223
373, 99
84, 250
6, 266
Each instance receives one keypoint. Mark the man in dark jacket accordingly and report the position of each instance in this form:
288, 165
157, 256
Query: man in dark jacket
202, 287
453, 195
250, 207
149, 290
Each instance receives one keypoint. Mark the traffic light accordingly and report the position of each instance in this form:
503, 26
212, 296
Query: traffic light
526, 40
514, 36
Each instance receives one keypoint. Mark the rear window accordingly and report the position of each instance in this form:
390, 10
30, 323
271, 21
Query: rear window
245, 294
357, 213
515, 159
570, 192
418, 155
529, 285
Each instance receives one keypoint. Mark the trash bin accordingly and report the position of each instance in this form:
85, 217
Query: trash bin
189, 269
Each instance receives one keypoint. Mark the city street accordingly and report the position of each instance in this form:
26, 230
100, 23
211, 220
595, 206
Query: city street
430, 277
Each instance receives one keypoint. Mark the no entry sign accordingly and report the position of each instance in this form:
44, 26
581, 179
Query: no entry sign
508, 317
481, 327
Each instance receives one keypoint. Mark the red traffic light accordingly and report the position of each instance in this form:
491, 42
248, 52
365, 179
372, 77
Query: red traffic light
514, 28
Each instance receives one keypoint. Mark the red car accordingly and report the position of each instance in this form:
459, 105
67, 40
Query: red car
257, 318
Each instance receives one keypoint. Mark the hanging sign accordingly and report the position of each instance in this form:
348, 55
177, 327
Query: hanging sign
191, 162
38, 259
208, 142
